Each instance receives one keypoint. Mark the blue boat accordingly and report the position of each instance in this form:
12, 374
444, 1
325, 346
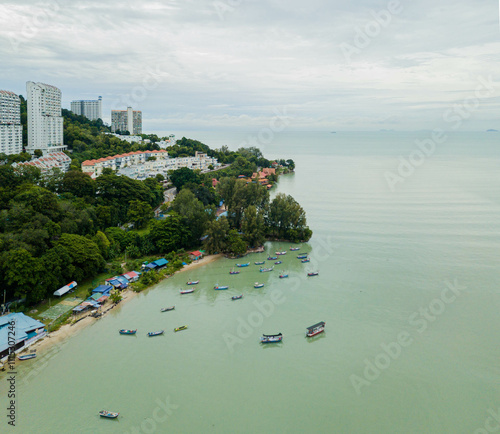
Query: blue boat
271, 339
220, 287
193, 282
305, 260
156, 333
293, 249
278, 262
263, 270
258, 285
243, 265
128, 332
233, 271
260, 262
301, 256
27, 356
236, 297
313, 273
283, 276
272, 258
108, 414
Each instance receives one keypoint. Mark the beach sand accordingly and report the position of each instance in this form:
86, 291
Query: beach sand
58, 337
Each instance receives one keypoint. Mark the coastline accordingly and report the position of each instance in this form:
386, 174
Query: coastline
66, 331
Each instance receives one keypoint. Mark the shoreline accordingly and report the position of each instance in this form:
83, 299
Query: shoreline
58, 337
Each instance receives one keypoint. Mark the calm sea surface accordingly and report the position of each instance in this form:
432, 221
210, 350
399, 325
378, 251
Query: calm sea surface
408, 286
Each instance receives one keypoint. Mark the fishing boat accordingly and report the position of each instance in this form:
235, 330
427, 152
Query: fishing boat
301, 256
27, 356
217, 287
258, 285
260, 262
108, 414
166, 309
283, 275
156, 333
178, 329
271, 339
280, 253
193, 282
263, 270
236, 297
243, 265
294, 249
278, 262
313, 273
186, 291
233, 271
305, 260
128, 332
272, 258
315, 329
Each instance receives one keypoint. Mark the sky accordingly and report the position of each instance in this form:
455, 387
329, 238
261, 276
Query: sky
338, 65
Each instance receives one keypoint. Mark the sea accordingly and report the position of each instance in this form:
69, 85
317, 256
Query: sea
407, 246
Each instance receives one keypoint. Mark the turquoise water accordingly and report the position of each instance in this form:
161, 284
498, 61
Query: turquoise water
408, 287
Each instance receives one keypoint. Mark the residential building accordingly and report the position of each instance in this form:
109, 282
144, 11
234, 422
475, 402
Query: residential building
11, 130
45, 123
50, 161
126, 120
28, 331
91, 109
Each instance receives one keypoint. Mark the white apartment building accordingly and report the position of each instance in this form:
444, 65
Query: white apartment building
91, 109
126, 120
45, 123
55, 160
11, 130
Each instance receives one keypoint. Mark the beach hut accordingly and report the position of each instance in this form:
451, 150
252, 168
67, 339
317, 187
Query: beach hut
160, 263
195, 255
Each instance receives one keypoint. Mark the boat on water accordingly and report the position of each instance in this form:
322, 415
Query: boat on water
283, 275
258, 285
27, 356
271, 339
278, 262
236, 297
166, 309
313, 273
305, 260
263, 270
315, 329
158, 333
280, 253
108, 414
217, 287
272, 258
243, 265
186, 291
128, 332
294, 249
178, 329
233, 271
193, 282
259, 262
301, 256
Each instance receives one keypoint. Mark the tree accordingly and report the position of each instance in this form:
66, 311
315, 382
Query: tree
253, 226
78, 184
140, 213
287, 219
182, 176
217, 232
38, 153
235, 243
169, 234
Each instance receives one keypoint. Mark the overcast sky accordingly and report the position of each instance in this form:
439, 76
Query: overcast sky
193, 64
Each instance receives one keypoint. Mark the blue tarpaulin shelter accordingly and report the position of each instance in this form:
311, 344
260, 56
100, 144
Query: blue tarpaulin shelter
160, 262
103, 289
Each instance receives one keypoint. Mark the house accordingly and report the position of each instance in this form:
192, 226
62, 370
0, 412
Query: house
160, 263
132, 276
61, 291
27, 329
103, 289
196, 255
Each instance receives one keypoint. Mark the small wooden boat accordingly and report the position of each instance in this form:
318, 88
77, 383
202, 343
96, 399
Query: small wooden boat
193, 282
280, 253
166, 309
294, 249
260, 262
243, 265
272, 258
236, 297
108, 414
305, 260
156, 333
315, 329
278, 262
283, 276
233, 271
178, 329
271, 339
313, 273
128, 332
301, 256
27, 356
258, 285
186, 291
217, 287
264, 270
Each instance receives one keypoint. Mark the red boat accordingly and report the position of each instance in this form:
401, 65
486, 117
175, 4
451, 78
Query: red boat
315, 329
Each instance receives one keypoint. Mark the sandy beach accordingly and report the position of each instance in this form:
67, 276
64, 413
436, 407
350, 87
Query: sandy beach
58, 337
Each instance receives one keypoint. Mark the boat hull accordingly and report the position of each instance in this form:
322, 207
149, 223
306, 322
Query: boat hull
108, 414
26, 357
128, 332
178, 329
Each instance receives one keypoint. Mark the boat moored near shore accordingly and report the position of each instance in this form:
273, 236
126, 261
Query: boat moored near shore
108, 414
271, 339
178, 329
158, 333
128, 332
186, 291
315, 329
166, 309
